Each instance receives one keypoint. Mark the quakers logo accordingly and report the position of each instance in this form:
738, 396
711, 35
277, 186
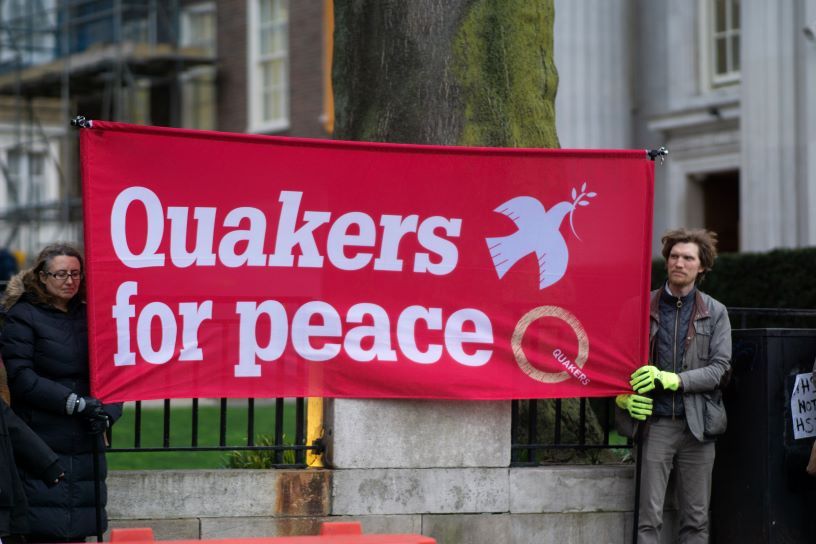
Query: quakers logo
539, 232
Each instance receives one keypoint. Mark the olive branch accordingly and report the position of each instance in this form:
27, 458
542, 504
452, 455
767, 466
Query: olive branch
579, 199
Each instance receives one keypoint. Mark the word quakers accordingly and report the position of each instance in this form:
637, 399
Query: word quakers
352, 233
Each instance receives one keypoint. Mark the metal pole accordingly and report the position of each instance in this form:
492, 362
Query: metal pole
638, 471
97, 488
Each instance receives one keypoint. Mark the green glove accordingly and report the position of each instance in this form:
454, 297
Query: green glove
638, 407
643, 379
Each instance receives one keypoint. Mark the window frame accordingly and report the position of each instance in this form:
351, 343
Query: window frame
192, 78
29, 188
187, 12
255, 122
191, 102
708, 45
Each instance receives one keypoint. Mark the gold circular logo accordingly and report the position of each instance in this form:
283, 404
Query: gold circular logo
558, 313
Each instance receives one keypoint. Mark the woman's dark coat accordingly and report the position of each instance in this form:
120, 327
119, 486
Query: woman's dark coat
19, 445
46, 355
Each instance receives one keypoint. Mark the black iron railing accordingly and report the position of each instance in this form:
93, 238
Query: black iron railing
565, 430
184, 433
765, 318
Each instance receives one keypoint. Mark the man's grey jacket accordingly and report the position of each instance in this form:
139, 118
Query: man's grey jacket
706, 362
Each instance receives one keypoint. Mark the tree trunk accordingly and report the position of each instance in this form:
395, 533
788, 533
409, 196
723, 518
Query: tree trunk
451, 72
445, 72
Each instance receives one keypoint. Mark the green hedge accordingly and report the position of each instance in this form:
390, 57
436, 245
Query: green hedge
783, 278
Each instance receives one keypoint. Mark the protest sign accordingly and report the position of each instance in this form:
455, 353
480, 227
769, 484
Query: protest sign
803, 406
226, 265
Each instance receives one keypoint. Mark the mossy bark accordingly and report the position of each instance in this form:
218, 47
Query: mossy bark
507, 74
446, 72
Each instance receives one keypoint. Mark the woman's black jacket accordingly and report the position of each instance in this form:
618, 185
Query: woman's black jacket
19, 445
46, 355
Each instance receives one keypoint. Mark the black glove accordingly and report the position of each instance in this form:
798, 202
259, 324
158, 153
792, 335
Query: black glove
93, 409
53, 474
99, 423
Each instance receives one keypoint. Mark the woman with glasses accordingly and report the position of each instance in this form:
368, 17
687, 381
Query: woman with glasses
44, 343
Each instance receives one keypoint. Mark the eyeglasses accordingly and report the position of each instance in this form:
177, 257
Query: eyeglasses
63, 275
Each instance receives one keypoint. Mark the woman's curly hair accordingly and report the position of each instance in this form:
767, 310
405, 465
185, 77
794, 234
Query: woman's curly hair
28, 280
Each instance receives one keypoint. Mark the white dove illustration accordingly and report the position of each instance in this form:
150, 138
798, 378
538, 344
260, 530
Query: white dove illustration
539, 231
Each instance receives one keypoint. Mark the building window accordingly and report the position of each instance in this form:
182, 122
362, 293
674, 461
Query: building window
268, 65
28, 31
722, 47
198, 84
198, 98
26, 174
198, 27
137, 102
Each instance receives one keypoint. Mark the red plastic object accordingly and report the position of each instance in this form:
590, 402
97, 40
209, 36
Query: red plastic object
341, 528
330, 533
142, 534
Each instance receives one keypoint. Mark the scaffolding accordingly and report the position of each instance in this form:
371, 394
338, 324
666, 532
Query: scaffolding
119, 60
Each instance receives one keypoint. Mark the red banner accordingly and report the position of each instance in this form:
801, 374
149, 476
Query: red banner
223, 265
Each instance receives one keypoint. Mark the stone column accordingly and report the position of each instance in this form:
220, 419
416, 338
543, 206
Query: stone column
807, 107
771, 178
401, 464
593, 57
383, 433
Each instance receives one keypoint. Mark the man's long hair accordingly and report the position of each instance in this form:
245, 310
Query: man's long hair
706, 241
28, 281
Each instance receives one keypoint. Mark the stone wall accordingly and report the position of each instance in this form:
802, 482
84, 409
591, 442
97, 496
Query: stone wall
454, 505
